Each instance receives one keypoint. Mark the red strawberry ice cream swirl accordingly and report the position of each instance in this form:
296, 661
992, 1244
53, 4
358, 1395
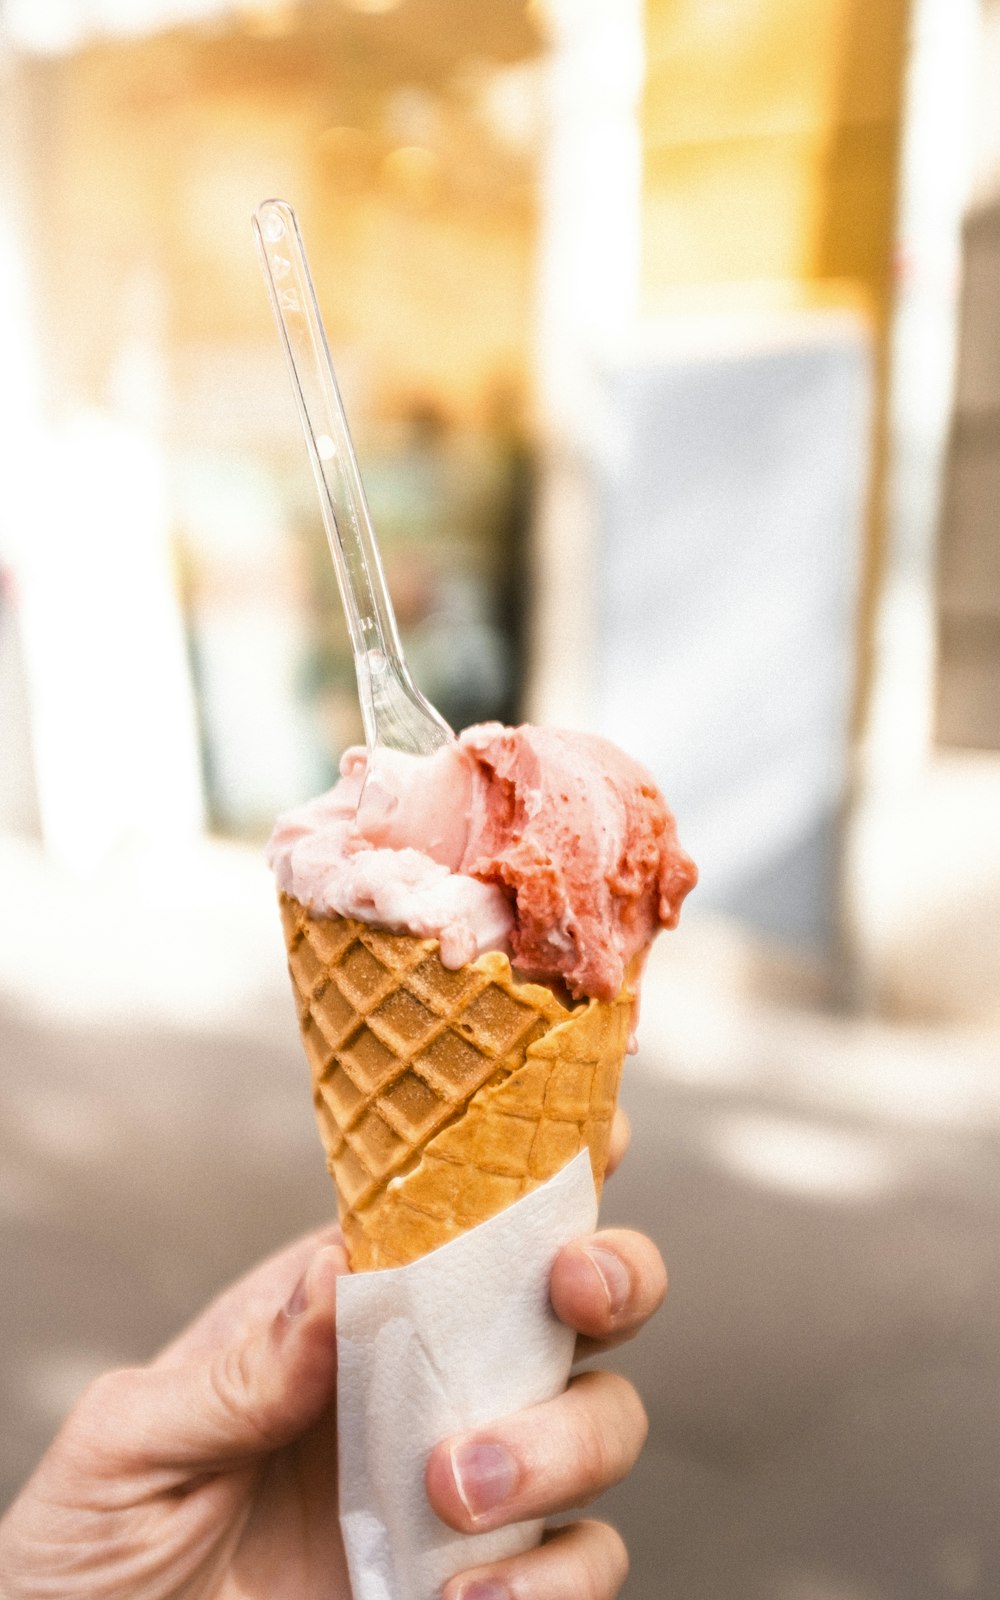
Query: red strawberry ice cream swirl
581, 838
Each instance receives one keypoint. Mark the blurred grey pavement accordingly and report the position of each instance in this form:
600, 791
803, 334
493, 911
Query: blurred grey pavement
824, 1385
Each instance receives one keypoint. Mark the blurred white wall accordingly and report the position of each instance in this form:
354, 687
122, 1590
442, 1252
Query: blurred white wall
733, 501
85, 535
588, 298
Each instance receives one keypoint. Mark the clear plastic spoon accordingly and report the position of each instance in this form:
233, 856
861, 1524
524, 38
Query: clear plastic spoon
394, 712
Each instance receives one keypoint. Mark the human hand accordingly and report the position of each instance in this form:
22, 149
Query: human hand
211, 1473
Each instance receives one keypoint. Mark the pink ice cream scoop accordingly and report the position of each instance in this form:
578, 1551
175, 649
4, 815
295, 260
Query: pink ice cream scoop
387, 853
555, 847
581, 838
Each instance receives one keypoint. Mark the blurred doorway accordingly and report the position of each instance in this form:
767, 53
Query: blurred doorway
406, 135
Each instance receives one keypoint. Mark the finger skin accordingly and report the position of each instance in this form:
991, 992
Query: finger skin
251, 1396
608, 1285
564, 1452
253, 1299
584, 1558
621, 1138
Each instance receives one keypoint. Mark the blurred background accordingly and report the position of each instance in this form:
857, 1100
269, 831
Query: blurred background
670, 337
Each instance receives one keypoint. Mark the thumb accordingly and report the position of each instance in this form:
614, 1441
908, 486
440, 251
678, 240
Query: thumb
248, 1397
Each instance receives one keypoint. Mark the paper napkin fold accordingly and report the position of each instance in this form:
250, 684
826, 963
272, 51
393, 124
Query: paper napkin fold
454, 1341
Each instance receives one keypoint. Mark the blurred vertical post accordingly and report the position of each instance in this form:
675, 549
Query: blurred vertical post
933, 185
968, 598
589, 275
112, 718
20, 432
928, 921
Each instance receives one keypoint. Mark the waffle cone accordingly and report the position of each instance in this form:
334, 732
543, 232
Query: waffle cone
442, 1096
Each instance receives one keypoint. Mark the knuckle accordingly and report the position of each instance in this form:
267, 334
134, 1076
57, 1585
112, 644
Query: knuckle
593, 1454
662, 1283
594, 1447
649, 1273
638, 1418
234, 1392
99, 1393
627, 1396
92, 1429
618, 1560
606, 1566
657, 1270
104, 1398
590, 1586
612, 1427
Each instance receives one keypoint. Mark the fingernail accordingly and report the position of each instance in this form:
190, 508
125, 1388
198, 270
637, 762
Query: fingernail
316, 1285
485, 1476
299, 1297
614, 1276
483, 1590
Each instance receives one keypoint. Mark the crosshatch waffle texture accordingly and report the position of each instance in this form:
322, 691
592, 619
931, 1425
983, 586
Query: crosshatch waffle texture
442, 1096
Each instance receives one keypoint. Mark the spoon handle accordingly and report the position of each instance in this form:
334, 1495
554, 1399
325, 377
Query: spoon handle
393, 711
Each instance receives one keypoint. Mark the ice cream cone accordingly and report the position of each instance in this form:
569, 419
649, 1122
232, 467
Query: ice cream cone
443, 1096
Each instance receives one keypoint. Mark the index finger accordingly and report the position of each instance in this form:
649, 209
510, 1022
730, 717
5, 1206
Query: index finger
621, 1135
252, 1299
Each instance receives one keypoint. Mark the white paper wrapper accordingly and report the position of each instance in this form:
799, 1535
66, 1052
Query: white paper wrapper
454, 1341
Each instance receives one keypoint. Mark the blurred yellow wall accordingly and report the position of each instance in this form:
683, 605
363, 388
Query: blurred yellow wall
771, 132
421, 221
771, 135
